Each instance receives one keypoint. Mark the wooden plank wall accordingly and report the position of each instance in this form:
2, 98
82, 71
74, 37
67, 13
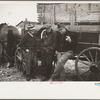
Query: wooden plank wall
83, 18
78, 15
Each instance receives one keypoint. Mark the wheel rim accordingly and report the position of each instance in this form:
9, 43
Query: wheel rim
87, 64
18, 59
0, 49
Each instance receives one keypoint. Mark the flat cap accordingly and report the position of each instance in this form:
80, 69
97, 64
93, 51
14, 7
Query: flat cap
61, 25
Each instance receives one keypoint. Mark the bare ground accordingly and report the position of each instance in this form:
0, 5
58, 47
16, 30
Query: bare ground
12, 74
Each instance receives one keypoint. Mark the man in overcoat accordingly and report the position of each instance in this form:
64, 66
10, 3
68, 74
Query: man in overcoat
47, 35
29, 47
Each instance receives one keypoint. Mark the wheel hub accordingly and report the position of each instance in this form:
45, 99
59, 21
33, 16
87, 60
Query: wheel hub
94, 69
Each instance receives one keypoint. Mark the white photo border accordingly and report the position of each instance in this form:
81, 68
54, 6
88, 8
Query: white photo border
46, 90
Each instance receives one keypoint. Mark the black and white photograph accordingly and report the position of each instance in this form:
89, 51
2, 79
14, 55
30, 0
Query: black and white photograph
53, 42
49, 50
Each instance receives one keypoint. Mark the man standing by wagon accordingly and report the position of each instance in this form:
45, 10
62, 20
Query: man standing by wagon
29, 47
65, 46
47, 52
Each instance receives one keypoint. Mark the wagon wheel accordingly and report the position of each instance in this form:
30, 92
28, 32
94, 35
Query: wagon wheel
0, 48
0, 53
19, 60
87, 64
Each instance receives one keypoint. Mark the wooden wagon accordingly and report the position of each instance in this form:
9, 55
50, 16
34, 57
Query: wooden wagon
87, 57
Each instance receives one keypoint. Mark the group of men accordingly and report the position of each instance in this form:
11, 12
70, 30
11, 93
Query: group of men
60, 42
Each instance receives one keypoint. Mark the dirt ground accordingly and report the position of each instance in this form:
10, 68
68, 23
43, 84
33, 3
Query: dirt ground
12, 74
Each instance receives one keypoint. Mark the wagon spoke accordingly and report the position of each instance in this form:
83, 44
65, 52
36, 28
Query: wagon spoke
91, 56
93, 76
96, 56
88, 76
86, 58
85, 72
17, 56
98, 76
88, 64
98, 62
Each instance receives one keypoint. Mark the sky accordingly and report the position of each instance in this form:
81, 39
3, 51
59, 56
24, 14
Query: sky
15, 12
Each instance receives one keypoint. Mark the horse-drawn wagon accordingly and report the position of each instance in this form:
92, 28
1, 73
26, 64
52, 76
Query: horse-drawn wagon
87, 60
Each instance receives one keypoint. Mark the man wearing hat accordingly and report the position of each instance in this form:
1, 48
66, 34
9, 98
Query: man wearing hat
47, 35
29, 47
65, 45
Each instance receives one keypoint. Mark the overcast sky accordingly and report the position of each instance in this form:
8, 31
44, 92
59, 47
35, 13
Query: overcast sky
14, 12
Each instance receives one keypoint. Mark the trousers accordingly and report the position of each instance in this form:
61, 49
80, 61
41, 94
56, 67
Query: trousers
62, 58
30, 59
47, 59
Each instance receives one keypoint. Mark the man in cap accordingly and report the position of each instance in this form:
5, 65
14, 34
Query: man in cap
47, 35
29, 46
65, 46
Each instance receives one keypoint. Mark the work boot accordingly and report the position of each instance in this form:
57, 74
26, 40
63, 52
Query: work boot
24, 74
28, 77
55, 77
11, 65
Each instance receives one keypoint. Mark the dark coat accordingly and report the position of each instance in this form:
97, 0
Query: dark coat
48, 40
47, 51
62, 45
28, 42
